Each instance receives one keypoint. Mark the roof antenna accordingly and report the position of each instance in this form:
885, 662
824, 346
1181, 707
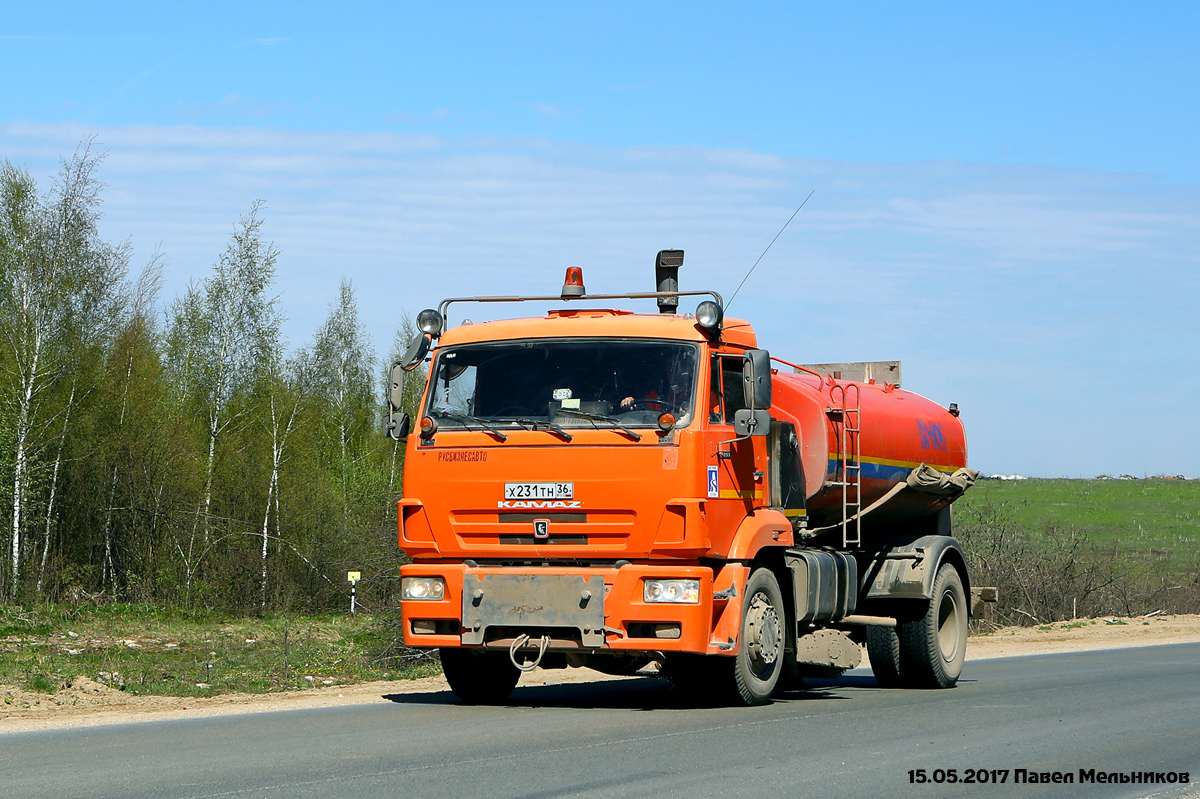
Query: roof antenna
764, 252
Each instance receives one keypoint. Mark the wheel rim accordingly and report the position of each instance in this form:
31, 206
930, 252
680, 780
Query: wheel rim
948, 626
763, 634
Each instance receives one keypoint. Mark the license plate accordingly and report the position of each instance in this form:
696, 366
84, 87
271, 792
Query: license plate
539, 490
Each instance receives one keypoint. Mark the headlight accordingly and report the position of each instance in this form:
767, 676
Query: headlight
422, 588
684, 592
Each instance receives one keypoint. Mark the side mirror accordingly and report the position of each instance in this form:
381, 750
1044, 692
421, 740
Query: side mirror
416, 352
756, 379
751, 423
397, 422
396, 387
397, 426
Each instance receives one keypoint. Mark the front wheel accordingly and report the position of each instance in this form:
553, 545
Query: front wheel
933, 646
759, 660
479, 677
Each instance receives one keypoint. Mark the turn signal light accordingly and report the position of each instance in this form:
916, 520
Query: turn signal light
428, 426
666, 423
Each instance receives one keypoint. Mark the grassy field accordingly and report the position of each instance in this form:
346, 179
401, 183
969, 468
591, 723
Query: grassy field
148, 650
1156, 516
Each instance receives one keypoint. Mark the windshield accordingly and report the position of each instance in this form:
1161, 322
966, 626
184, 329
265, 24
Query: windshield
564, 382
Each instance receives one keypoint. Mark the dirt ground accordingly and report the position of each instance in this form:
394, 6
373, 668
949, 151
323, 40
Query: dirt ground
85, 702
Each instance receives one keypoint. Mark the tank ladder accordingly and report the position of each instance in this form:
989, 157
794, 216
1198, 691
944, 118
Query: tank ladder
846, 414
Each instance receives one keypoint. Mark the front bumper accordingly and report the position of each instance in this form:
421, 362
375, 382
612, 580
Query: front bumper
538, 601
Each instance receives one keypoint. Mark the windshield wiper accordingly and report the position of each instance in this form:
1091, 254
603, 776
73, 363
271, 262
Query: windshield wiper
595, 417
466, 420
549, 427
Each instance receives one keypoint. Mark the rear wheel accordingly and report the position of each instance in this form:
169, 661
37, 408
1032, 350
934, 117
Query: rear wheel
479, 677
759, 660
933, 646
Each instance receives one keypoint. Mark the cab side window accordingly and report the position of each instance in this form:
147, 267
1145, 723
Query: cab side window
714, 392
726, 395
734, 394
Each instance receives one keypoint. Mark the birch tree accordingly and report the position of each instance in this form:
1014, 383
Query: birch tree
342, 368
59, 286
137, 322
223, 339
285, 396
23, 308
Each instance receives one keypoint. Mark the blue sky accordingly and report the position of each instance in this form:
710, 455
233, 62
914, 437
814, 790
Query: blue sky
1007, 198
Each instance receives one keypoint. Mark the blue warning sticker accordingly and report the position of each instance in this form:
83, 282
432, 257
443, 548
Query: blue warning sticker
713, 489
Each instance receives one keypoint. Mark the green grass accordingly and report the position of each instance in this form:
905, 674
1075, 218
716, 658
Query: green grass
147, 650
1155, 516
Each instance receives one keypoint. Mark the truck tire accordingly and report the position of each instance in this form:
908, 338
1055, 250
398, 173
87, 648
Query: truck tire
479, 677
759, 661
883, 649
934, 645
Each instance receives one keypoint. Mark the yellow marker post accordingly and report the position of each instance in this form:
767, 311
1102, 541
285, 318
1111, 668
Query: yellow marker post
353, 577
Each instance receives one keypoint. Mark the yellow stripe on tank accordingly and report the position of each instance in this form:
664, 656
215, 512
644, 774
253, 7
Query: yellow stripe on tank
900, 464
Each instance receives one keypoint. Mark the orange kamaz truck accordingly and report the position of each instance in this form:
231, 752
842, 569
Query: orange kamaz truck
606, 488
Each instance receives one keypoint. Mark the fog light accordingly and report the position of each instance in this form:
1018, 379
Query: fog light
424, 626
679, 592
432, 588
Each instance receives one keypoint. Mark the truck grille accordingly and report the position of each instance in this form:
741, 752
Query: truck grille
554, 539
527, 518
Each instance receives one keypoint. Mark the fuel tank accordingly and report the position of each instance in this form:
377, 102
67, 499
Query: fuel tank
898, 431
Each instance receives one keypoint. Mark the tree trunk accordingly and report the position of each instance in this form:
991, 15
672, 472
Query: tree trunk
112, 488
20, 465
54, 480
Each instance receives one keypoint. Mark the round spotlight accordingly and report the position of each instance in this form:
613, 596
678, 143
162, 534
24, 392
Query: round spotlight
666, 423
709, 315
430, 321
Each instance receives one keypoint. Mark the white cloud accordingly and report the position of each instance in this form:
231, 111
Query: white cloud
552, 110
1026, 294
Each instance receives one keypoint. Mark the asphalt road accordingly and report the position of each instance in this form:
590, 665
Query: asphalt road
1113, 711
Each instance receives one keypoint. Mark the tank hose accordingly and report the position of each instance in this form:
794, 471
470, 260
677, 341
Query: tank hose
519, 642
896, 489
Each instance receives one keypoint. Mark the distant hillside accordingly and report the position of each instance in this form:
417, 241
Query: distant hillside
1160, 516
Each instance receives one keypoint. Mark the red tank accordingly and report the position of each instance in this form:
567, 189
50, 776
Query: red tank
898, 432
